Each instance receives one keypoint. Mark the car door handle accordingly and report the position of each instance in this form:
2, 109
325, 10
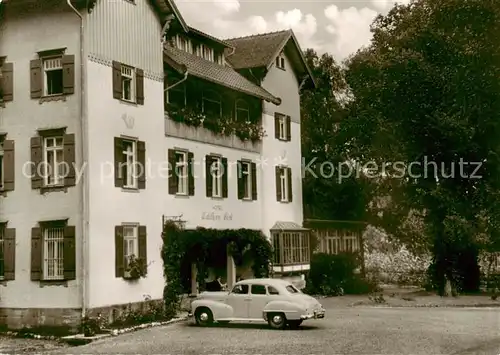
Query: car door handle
248, 299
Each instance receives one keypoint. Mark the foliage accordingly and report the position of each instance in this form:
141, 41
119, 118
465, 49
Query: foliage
225, 125
335, 275
198, 244
91, 326
427, 90
328, 194
136, 267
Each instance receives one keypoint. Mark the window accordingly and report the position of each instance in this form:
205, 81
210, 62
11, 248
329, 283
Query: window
247, 180
176, 96
54, 167
6, 81
129, 164
283, 184
130, 244
240, 289
282, 127
272, 291
181, 172
2, 257
280, 61
211, 103
292, 289
183, 43
217, 171
242, 111
53, 253
53, 76
351, 242
128, 83
205, 52
1, 165
291, 248
258, 290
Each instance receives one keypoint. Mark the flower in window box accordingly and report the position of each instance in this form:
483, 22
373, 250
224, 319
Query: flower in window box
136, 268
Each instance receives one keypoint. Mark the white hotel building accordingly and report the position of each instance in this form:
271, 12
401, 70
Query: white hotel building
96, 83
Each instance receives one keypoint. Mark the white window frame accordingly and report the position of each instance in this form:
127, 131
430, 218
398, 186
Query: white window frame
293, 248
284, 184
2, 250
332, 241
246, 171
53, 253
244, 108
282, 127
205, 52
130, 238
217, 173
128, 75
280, 61
58, 176
205, 98
181, 172
51, 64
351, 242
130, 161
2, 166
183, 43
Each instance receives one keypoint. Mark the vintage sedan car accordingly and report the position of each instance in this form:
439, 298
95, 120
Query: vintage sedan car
274, 301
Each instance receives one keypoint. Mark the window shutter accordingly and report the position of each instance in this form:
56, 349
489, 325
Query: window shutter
225, 177
36, 79
276, 126
68, 64
69, 159
143, 246
36, 253
118, 162
288, 128
141, 160
191, 174
241, 191
289, 180
69, 252
36, 160
172, 178
9, 254
9, 165
208, 175
119, 255
7, 82
254, 181
278, 183
117, 80
139, 86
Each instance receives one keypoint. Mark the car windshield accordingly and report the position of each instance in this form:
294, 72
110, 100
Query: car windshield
292, 289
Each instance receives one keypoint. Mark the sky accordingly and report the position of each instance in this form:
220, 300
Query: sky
339, 27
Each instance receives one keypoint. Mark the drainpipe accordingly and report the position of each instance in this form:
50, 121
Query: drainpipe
84, 160
177, 83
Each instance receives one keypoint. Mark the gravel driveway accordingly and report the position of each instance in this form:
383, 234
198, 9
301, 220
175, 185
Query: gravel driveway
359, 330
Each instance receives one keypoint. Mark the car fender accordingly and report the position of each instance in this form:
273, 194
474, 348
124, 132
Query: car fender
292, 310
218, 309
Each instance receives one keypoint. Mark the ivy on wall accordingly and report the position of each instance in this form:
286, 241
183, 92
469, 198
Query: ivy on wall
225, 125
196, 244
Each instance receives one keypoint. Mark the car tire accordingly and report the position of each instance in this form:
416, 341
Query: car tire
276, 320
294, 324
203, 317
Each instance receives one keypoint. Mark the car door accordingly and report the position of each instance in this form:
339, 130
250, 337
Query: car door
259, 299
238, 300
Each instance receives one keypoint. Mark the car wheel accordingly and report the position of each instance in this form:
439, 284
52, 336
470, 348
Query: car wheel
203, 317
276, 320
294, 324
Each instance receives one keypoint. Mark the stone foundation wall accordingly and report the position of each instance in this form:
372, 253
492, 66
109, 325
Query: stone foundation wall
53, 321
115, 312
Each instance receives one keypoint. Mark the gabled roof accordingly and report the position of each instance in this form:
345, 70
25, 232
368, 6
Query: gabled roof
219, 74
261, 50
168, 6
212, 38
287, 226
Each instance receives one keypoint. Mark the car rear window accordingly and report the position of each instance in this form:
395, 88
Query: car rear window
272, 290
258, 289
291, 289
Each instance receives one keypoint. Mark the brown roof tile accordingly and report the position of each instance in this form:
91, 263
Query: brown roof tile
257, 50
218, 74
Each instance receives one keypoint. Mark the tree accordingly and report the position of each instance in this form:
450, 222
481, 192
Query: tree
327, 193
427, 91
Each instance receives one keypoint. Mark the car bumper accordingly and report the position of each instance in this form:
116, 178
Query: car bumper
316, 315
190, 318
